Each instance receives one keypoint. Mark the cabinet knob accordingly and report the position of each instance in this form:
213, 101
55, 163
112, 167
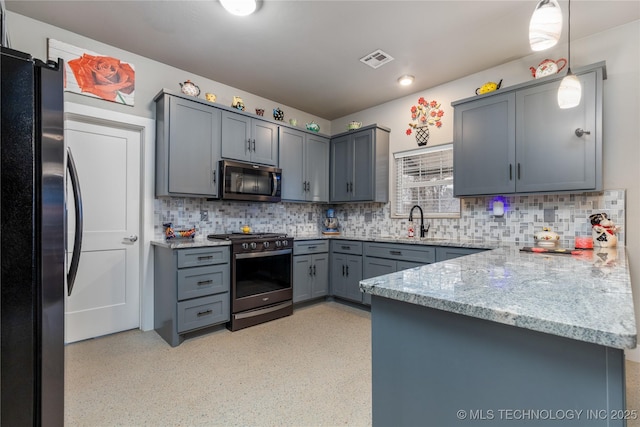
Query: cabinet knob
580, 132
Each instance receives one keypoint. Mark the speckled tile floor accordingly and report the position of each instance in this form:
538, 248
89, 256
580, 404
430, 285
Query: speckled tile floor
310, 369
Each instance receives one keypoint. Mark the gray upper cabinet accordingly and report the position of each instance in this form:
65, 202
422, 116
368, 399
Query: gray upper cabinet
519, 141
360, 165
249, 140
187, 147
304, 160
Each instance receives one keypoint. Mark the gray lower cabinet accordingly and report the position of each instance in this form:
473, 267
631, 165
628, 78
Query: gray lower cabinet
346, 269
518, 140
187, 147
360, 165
310, 270
444, 253
304, 160
248, 139
386, 258
191, 290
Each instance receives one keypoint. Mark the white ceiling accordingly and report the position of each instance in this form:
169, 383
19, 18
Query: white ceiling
305, 54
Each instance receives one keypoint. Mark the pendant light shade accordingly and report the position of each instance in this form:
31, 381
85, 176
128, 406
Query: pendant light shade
570, 91
240, 7
545, 26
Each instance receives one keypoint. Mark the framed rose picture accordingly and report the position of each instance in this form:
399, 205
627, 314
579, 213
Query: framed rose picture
92, 74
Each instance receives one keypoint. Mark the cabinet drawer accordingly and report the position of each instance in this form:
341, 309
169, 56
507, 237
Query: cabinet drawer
310, 247
202, 281
201, 312
202, 256
414, 253
346, 247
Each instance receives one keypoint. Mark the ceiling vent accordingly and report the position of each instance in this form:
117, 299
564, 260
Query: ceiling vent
376, 59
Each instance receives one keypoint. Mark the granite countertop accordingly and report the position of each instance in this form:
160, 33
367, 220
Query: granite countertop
428, 241
182, 243
586, 297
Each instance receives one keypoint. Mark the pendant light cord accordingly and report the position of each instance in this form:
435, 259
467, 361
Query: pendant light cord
569, 39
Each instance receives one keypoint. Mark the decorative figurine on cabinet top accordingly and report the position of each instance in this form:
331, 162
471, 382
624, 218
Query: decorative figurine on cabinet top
488, 87
278, 114
237, 103
313, 126
603, 231
189, 88
548, 67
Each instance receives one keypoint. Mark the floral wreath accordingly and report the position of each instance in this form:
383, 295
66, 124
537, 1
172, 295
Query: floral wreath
425, 113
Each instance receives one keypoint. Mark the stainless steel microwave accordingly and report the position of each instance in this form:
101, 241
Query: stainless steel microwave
245, 181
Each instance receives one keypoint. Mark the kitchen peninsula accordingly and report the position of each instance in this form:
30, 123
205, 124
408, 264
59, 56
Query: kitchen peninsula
503, 337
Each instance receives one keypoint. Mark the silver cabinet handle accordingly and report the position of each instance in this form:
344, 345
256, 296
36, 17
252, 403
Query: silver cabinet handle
580, 132
133, 238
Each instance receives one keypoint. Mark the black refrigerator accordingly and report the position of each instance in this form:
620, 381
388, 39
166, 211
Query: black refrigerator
33, 242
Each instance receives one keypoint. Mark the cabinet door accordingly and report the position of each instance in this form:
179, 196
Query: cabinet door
549, 154
363, 166
320, 283
292, 165
338, 275
194, 147
484, 146
317, 168
236, 136
302, 276
353, 277
264, 144
374, 267
341, 169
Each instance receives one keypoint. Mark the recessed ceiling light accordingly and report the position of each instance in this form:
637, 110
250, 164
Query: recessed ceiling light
405, 80
240, 7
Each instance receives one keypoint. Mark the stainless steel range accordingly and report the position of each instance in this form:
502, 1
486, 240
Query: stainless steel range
261, 277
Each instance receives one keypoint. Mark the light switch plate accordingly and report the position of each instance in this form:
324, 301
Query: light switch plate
204, 216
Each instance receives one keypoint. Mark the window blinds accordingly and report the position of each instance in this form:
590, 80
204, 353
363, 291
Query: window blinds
425, 177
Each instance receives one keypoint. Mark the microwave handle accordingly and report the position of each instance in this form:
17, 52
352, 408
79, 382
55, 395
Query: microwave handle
274, 177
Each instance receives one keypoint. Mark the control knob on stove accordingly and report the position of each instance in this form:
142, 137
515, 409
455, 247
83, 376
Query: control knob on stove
285, 243
245, 246
265, 244
278, 243
253, 245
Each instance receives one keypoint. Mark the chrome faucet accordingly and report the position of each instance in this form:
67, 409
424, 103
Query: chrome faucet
423, 231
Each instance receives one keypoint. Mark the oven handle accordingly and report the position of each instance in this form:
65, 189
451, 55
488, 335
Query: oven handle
263, 254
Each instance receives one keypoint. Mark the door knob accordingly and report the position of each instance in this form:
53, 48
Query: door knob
580, 132
133, 238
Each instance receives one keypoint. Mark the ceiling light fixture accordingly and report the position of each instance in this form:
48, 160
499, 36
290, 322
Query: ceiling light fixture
406, 80
570, 90
545, 26
240, 7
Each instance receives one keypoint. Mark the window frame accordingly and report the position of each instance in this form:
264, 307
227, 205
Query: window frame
395, 186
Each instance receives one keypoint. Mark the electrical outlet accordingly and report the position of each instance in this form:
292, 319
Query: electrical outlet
549, 215
368, 217
204, 216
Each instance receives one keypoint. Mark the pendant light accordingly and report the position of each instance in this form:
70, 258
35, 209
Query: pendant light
545, 26
240, 7
570, 90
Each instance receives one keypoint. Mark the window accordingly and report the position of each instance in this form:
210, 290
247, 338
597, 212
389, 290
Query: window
425, 177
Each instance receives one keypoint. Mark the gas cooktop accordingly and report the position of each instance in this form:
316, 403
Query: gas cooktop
242, 236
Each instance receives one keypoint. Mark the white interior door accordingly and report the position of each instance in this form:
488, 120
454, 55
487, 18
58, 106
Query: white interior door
106, 295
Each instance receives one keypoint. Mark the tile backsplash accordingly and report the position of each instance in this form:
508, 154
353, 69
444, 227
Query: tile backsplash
524, 215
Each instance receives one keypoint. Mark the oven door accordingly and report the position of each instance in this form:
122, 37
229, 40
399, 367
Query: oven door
261, 279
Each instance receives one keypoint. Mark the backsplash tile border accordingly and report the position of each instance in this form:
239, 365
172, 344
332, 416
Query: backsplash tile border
524, 215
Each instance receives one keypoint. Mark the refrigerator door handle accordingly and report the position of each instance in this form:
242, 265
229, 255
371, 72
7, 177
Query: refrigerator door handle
77, 242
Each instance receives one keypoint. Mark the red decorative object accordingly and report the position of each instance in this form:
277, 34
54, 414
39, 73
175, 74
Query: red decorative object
425, 114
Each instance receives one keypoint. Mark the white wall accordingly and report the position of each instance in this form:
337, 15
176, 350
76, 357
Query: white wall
620, 48
31, 36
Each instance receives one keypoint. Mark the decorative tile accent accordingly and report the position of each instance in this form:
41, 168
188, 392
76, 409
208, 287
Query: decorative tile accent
524, 215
